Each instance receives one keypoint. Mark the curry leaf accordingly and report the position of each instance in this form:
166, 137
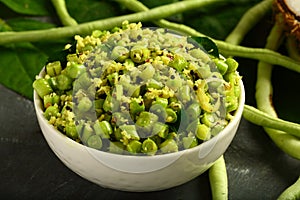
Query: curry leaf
209, 46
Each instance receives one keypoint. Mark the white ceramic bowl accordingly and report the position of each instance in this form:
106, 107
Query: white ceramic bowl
138, 173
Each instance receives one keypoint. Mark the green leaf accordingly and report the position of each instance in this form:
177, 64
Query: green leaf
92, 9
19, 64
209, 46
28, 7
23, 24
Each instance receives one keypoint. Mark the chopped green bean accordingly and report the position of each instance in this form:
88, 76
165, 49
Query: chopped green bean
95, 142
74, 70
171, 115
139, 54
103, 129
63, 82
84, 104
207, 119
107, 104
232, 65
160, 129
134, 147
146, 119
203, 132
221, 66
189, 142
149, 147
53, 68
178, 62
51, 99
185, 94
154, 84
129, 132
120, 53
42, 87
169, 146
51, 111
161, 101
71, 131
87, 131
193, 111
136, 106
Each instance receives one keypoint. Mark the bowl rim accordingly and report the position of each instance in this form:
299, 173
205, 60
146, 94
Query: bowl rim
235, 121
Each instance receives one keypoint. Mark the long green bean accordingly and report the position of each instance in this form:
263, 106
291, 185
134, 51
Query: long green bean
218, 180
262, 54
263, 119
288, 143
248, 20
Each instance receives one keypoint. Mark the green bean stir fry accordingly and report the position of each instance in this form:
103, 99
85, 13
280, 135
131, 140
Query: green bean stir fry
139, 91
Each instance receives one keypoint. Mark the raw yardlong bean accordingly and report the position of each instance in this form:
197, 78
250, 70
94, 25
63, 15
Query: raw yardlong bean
218, 180
280, 137
260, 118
288, 143
248, 20
265, 55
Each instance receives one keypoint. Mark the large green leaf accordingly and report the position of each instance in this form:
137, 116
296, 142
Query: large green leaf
28, 7
92, 9
19, 64
21, 24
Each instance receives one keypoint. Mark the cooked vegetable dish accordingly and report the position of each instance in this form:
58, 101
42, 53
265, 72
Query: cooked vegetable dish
139, 91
